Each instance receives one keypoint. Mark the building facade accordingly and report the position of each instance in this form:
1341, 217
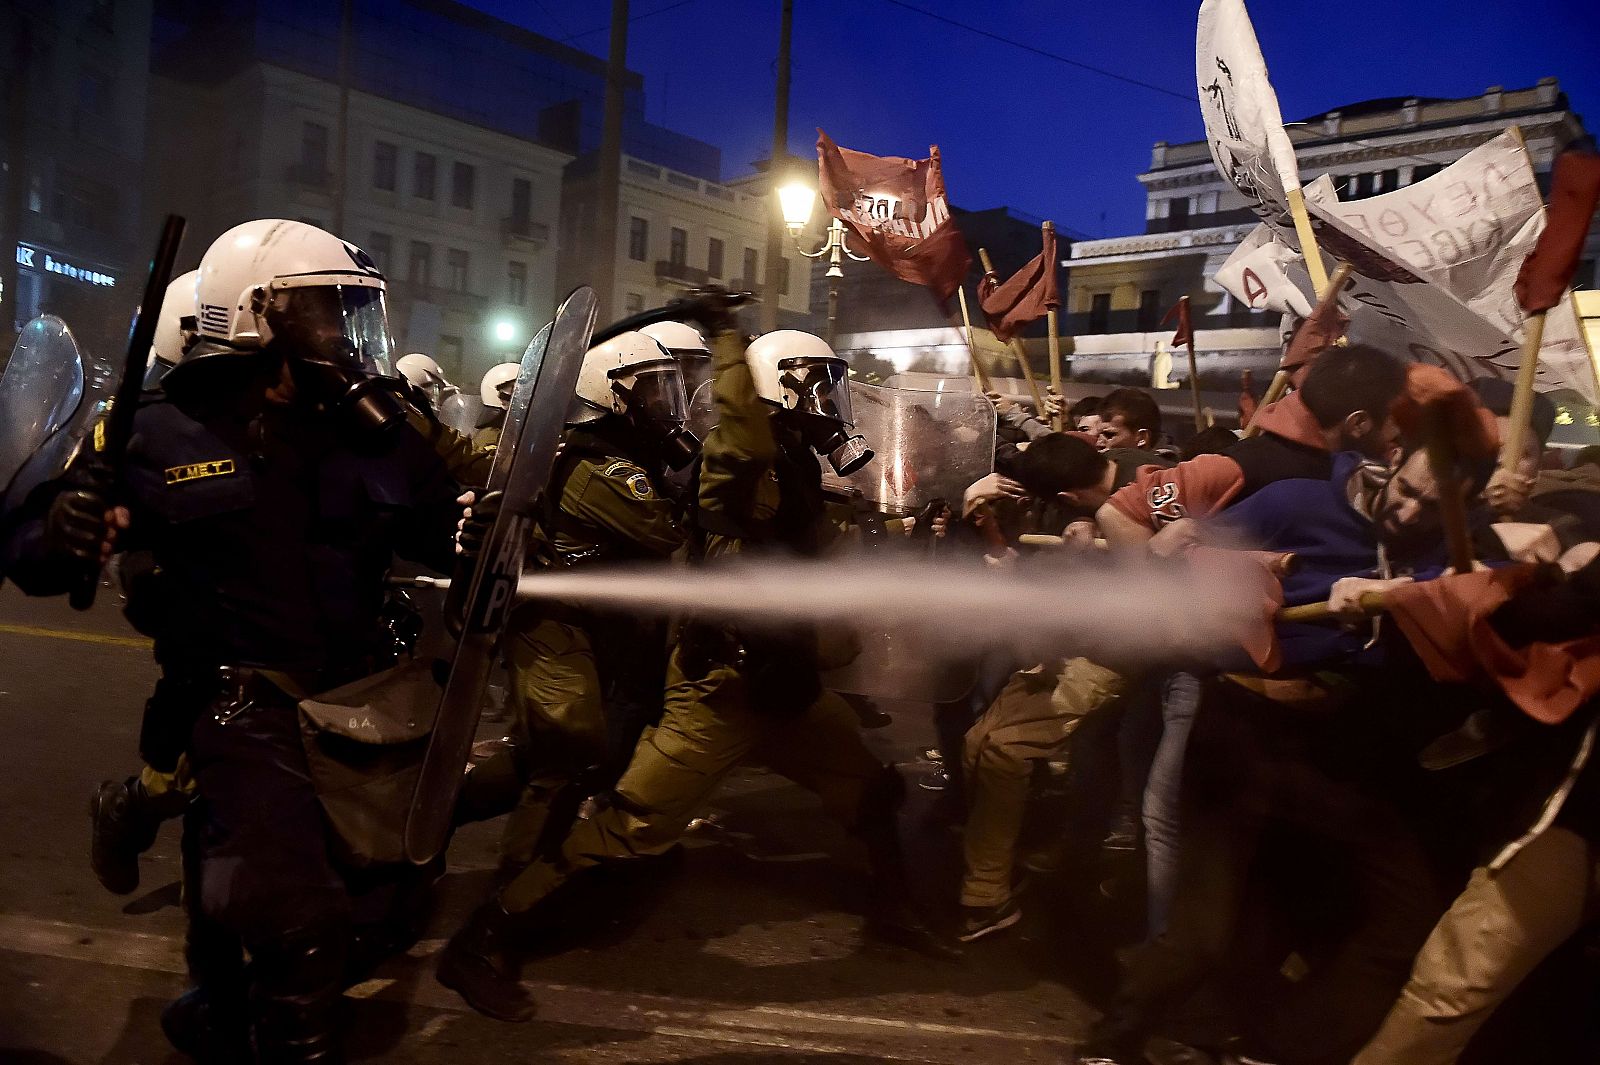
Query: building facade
1121, 287
73, 150
460, 218
676, 231
457, 129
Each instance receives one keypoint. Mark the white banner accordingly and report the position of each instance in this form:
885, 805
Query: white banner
1439, 260
1244, 127
1256, 275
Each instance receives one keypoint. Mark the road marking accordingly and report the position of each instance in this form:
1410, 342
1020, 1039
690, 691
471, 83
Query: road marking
879, 1038
82, 637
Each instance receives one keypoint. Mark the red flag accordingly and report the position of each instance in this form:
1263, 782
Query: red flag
1431, 393
1316, 334
1547, 271
1023, 297
898, 210
1447, 621
1185, 333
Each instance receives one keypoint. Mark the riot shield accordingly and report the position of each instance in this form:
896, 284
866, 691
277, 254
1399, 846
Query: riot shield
462, 413
522, 465
927, 446
41, 393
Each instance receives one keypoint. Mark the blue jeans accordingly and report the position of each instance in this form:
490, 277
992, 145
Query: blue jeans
1180, 697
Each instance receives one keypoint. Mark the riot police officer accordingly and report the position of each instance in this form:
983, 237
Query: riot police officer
731, 694
272, 482
583, 682
494, 392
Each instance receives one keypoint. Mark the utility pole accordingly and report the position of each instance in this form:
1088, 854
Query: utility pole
341, 136
777, 234
608, 199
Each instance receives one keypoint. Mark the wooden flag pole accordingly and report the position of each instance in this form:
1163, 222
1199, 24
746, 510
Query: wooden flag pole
978, 371
1280, 380
1194, 368
1308, 242
1452, 493
1059, 420
1016, 345
1522, 398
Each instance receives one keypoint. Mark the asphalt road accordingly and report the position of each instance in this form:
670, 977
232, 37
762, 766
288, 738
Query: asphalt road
748, 951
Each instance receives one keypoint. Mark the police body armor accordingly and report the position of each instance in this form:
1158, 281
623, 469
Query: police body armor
781, 664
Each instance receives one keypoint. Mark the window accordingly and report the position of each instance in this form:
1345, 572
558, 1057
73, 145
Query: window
1149, 310
385, 165
1426, 172
420, 269
84, 202
752, 268
1099, 312
1388, 181
424, 174
678, 249
714, 257
638, 239
456, 265
521, 200
1178, 212
314, 150
517, 282
381, 247
462, 178
1360, 185
783, 276
635, 303
450, 349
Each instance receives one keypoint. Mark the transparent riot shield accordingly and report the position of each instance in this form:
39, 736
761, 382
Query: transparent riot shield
41, 393
702, 411
926, 445
462, 413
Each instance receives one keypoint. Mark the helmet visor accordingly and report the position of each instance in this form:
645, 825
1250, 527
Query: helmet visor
657, 394
342, 325
816, 386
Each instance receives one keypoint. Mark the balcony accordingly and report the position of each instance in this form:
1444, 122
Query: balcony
681, 273
515, 229
1087, 323
309, 177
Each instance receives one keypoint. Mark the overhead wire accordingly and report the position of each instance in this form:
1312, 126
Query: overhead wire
631, 21
1187, 97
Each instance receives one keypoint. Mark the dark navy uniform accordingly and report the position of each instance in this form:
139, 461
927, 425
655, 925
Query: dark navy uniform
273, 533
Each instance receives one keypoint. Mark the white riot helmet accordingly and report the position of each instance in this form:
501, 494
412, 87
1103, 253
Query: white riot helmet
317, 298
175, 326
798, 373
495, 388
636, 377
689, 348
422, 373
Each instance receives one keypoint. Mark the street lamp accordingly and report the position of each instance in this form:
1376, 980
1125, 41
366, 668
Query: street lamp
797, 199
505, 331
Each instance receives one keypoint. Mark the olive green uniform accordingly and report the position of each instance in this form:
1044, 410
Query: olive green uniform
576, 678
718, 714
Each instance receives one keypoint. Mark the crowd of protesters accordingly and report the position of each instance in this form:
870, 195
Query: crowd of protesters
1357, 840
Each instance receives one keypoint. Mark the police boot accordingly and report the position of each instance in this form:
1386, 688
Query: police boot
210, 1022
123, 827
482, 966
295, 994
893, 915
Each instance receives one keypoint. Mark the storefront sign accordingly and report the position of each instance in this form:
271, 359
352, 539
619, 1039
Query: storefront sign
33, 258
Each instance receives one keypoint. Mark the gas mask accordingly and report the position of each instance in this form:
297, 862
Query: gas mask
652, 395
336, 338
816, 392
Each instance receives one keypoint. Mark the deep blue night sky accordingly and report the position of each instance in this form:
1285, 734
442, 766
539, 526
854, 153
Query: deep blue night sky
1029, 132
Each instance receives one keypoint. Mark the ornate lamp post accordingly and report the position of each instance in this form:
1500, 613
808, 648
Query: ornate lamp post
797, 200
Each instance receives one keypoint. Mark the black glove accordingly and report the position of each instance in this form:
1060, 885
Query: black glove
475, 529
75, 526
